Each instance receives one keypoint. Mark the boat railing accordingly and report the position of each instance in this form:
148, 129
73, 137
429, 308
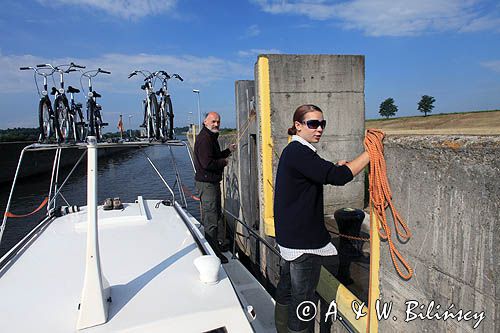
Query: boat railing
345, 323
56, 187
252, 232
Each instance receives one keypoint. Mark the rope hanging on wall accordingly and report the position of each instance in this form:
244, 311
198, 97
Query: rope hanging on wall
381, 198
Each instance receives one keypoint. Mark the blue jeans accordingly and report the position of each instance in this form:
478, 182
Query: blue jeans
298, 281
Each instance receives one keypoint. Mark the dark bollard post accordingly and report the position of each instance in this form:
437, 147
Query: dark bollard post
349, 222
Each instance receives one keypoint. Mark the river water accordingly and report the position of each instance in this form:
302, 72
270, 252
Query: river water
126, 174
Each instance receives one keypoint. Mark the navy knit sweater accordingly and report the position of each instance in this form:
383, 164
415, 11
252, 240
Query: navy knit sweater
298, 196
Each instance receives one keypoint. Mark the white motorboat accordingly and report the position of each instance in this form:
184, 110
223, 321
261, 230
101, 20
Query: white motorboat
144, 268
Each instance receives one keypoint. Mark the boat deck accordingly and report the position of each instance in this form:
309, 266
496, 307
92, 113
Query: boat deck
147, 256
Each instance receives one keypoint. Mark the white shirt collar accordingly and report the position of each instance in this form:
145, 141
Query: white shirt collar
303, 141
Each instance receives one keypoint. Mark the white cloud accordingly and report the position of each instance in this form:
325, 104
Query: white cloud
494, 65
256, 52
194, 70
394, 18
129, 9
489, 22
252, 31
314, 9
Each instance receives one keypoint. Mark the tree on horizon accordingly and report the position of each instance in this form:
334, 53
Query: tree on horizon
388, 108
426, 104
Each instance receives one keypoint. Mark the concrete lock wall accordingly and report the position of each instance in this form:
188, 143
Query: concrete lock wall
247, 150
335, 83
247, 166
447, 189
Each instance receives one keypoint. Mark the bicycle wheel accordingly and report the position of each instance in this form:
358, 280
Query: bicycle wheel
62, 118
163, 119
98, 124
155, 115
44, 111
80, 128
170, 113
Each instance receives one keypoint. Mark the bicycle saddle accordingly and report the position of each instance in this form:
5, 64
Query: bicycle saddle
72, 90
96, 94
53, 91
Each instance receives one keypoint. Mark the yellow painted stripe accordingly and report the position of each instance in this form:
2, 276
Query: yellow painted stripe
374, 287
266, 143
329, 288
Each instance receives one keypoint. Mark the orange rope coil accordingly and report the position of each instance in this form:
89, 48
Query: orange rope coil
381, 198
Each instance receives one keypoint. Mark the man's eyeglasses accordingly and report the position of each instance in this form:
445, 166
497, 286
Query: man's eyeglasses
314, 123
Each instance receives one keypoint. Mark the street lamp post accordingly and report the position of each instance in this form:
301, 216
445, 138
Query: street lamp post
190, 122
130, 126
196, 91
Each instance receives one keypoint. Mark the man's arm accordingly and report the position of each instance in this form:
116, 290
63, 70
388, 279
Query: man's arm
206, 157
226, 152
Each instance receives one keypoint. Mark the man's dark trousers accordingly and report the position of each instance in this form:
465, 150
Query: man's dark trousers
210, 196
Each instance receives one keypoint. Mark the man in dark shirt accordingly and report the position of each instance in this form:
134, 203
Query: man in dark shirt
209, 162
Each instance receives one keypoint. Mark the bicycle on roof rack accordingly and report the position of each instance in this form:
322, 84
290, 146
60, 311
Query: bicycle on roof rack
152, 121
166, 108
76, 115
94, 116
47, 118
65, 115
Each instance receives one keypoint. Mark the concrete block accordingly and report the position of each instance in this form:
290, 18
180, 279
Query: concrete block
446, 188
317, 73
344, 112
335, 84
247, 150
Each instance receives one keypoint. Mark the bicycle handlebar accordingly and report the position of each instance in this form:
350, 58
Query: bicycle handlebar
37, 70
75, 65
58, 67
142, 72
177, 76
94, 72
167, 76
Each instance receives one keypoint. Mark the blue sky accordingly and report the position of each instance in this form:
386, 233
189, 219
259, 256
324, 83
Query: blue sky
449, 49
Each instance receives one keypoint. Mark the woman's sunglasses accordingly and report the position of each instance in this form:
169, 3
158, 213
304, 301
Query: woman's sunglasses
314, 123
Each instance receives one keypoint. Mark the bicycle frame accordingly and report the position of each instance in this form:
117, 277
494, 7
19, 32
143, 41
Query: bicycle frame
94, 117
78, 120
45, 133
164, 102
149, 117
62, 111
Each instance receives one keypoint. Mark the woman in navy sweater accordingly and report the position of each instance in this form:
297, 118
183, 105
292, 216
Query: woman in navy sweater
298, 214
